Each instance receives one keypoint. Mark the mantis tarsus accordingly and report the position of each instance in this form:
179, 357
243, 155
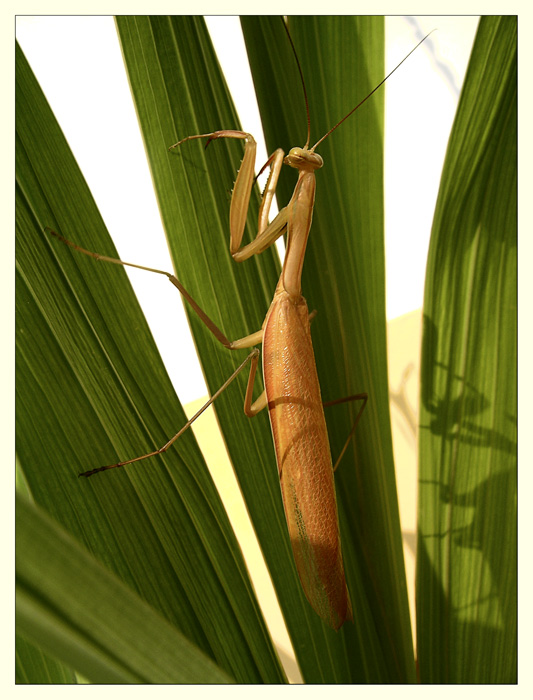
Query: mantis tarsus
292, 392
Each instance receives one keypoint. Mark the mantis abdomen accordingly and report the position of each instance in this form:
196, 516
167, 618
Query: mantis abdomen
304, 458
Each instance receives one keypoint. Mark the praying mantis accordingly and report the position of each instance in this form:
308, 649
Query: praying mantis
316, 551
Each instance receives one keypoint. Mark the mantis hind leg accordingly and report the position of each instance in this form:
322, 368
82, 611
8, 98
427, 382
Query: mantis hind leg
355, 397
253, 358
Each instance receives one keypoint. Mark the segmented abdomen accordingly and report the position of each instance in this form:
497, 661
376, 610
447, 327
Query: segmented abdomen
304, 458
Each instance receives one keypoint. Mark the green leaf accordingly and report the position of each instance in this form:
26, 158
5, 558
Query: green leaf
344, 280
466, 572
91, 389
68, 604
194, 185
32, 666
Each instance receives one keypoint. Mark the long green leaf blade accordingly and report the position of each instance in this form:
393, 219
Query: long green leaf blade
32, 666
342, 60
70, 605
88, 395
235, 296
193, 179
466, 569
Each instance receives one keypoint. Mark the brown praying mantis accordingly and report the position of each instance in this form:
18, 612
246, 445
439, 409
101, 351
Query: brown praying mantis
292, 392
